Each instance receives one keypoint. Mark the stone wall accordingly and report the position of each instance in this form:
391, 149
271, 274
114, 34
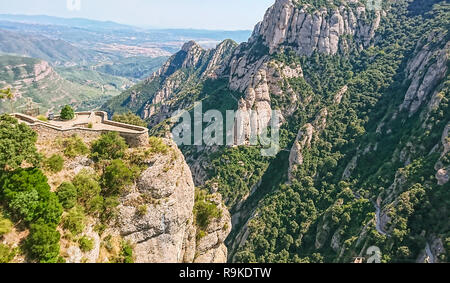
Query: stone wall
48, 131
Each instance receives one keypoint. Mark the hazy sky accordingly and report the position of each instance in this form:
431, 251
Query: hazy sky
201, 14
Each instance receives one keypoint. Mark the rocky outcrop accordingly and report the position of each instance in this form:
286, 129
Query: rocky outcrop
211, 248
27, 74
156, 217
338, 96
310, 29
288, 24
270, 80
303, 140
425, 71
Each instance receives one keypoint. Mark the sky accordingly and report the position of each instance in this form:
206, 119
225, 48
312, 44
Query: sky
198, 14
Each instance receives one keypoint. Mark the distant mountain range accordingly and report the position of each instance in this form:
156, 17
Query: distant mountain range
85, 25
55, 51
70, 22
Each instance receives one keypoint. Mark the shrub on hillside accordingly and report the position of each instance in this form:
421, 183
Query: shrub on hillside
129, 118
204, 210
5, 225
86, 244
43, 242
6, 254
55, 163
74, 146
67, 195
110, 146
87, 186
157, 145
17, 144
74, 220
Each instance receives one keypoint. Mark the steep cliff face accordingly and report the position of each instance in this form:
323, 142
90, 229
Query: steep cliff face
165, 231
302, 29
22, 72
309, 29
426, 70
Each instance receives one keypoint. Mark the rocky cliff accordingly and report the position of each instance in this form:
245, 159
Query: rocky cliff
323, 29
166, 231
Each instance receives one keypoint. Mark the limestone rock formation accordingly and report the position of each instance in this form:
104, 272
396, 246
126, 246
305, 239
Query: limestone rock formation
288, 22
211, 248
303, 140
426, 70
156, 217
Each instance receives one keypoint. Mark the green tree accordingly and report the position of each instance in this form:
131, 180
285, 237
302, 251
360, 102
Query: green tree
67, 113
17, 144
43, 242
110, 146
129, 118
87, 186
28, 196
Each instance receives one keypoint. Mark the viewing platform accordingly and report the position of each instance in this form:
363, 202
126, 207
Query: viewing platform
87, 125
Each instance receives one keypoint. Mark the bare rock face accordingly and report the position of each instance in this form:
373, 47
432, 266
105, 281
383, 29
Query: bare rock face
156, 217
303, 140
261, 81
74, 254
442, 176
288, 22
427, 68
166, 191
